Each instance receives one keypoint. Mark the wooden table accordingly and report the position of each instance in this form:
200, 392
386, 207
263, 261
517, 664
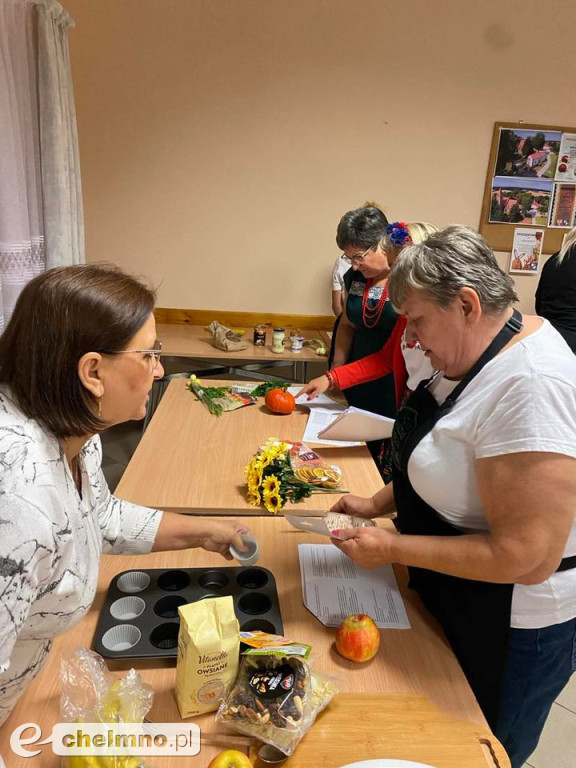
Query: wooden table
190, 460
195, 343
410, 662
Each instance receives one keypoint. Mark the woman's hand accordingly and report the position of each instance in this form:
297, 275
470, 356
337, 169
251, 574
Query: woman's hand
357, 506
220, 535
367, 547
178, 531
314, 387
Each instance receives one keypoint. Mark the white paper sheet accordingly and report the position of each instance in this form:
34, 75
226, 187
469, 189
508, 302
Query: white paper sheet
322, 401
333, 587
357, 424
319, 419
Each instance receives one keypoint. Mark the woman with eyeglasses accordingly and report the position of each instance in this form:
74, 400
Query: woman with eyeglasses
368, 317
78, 355
398, 356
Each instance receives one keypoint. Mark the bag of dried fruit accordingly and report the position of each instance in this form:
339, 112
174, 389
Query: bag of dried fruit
276, 696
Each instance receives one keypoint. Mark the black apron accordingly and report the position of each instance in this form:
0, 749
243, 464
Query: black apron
475, 615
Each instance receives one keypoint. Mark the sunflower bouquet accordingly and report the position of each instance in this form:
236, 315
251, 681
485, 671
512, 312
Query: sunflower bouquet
273, 480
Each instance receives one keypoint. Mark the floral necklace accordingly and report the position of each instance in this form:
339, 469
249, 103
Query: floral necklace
371, 315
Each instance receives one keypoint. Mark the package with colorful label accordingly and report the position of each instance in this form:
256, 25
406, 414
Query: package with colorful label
309, 467
276, 696
208, 648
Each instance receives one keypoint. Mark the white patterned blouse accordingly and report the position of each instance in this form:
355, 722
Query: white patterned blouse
51, 539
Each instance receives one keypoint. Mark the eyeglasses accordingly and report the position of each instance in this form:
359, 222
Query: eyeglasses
153, 355
358, 258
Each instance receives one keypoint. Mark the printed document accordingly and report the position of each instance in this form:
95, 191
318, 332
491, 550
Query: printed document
322, 412
333, 587
318, 422
321, 401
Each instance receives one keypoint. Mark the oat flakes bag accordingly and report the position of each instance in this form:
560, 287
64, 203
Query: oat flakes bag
208, 649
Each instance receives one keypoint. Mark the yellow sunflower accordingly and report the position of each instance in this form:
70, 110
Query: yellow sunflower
272, 445
270, 484
263, 460
254, 466
253, 488
253, 497
273, 503
278, 450
254, 477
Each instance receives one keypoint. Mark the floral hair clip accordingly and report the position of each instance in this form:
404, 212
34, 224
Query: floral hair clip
399, 235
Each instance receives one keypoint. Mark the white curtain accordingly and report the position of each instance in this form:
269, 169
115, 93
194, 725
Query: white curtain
41, 221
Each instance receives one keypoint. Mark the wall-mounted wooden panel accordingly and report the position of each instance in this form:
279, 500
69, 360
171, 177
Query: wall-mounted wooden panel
501, 235
241, 319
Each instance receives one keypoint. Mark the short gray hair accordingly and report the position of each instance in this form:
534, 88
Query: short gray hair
453, 258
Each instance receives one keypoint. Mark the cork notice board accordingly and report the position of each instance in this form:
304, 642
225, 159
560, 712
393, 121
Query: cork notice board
531, 182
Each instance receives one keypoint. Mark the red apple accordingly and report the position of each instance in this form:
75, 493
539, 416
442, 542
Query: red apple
358, 638
231, 758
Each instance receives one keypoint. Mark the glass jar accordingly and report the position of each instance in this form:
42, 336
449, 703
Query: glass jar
278, 337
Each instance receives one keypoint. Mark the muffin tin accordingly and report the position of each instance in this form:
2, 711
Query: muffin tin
140, 617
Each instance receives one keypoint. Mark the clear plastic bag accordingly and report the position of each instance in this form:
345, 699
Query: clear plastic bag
92, 694
275, 698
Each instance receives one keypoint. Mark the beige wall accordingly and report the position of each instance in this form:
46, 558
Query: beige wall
221, 140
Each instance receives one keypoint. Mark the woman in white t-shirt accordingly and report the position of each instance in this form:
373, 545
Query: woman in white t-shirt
484, 483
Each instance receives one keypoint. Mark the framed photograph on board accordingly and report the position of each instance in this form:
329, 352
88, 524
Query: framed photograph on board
566, 166
526, 251
530, 182
563, 208
520, 201
530, 153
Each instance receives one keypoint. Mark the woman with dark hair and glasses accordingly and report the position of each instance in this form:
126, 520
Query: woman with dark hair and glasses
398, 356
368, 318
78, 355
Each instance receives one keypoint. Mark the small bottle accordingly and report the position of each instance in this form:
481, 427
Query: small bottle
278, 337
259, 336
